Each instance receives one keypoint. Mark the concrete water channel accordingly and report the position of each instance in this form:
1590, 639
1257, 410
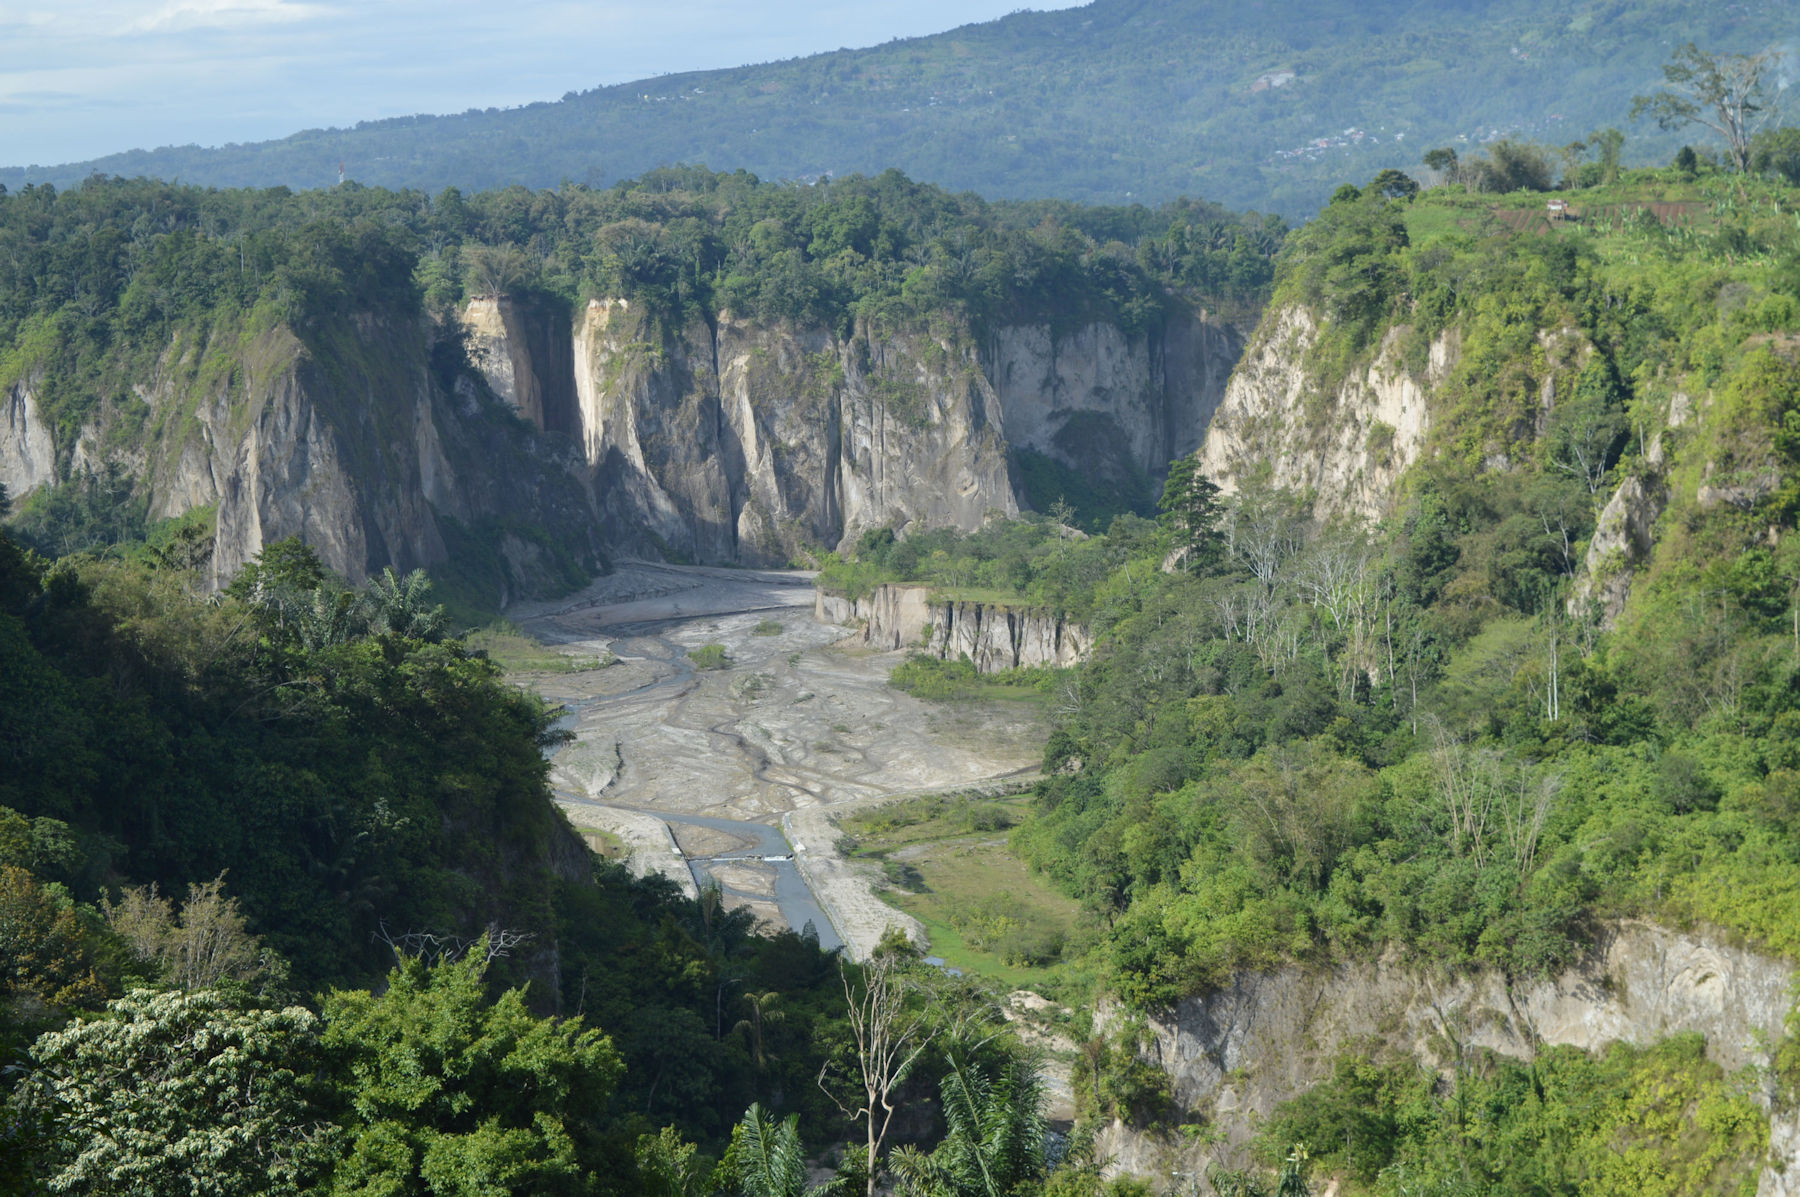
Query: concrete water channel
695, 769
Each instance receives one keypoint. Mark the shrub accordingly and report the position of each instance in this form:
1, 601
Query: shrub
709, 656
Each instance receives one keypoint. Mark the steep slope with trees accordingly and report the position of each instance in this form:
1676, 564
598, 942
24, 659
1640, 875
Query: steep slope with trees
1401, 715
506, 386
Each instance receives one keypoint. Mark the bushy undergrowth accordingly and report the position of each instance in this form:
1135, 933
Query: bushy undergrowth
1333, 739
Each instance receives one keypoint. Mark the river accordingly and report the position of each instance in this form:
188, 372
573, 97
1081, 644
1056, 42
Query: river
698, 769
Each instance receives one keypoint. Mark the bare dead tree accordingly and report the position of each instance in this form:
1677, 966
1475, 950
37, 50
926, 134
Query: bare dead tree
496, 942
1726, 93
206, 942
889, 1039
1266, 529
1525, 804
1467, 782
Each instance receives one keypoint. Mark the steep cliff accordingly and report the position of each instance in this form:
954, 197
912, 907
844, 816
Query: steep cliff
724, 439
354, 434
1114, 405
1345, 444
522, 347
1233, 1055
27, 453
994, 636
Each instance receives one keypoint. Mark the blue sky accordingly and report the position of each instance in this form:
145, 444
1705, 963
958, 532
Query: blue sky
82, 78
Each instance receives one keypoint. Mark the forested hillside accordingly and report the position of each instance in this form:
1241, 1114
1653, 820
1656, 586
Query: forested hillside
163, 348
285, 907
1257, 106
1555, 685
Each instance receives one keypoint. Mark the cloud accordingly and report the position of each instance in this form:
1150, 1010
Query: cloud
180, 15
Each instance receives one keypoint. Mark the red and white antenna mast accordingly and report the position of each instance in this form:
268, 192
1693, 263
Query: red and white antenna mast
340, 172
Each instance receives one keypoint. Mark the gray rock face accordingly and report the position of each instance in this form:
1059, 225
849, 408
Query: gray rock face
525, 354
1238, 1053
1348, 446
288, 478
361, 449
1622, 540
27, 454
1117, 406
993, 636
731, 440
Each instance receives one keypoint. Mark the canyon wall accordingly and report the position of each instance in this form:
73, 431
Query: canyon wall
994, 636
522, 429
349, 436
1232, 1056
1345, 442
27, 452
721, 439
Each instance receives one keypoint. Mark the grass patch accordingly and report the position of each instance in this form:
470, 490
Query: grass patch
605, 844
946, 862
768, 627
709, 656
952, 681
516, 651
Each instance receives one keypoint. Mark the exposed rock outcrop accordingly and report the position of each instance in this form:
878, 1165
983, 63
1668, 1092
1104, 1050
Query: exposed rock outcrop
993, 636
1345, 446
524, 351
730, 440
351, 438
27, 454
1117, 406
1622, 540
1235, 1054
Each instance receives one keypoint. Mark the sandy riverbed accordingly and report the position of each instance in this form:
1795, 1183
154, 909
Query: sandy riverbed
795, 730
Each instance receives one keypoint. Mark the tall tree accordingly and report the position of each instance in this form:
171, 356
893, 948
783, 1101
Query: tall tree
1191, 507
185, 1094
1726, 93
887, 1038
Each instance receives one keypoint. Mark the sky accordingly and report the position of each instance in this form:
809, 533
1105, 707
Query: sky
84, 78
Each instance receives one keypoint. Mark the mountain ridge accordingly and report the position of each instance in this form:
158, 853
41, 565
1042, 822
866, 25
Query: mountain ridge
1115, 101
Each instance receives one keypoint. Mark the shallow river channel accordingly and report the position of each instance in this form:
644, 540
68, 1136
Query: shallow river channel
696, 769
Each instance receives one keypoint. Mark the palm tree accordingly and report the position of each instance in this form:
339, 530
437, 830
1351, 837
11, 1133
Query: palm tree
401, 606
762, 1014
769, 1159
1291, 1182
995, 1138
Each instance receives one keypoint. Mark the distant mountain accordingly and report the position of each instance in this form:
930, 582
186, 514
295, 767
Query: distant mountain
1254, 103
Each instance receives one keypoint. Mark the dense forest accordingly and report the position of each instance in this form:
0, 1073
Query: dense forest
285, 907
1265, 106
97, 281
1305, 739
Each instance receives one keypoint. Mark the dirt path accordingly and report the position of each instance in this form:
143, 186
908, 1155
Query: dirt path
794, 730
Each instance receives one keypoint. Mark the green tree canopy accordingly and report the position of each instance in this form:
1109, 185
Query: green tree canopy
184, 1094
453, 1094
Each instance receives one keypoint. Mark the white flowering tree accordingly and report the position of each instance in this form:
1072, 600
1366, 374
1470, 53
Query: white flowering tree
180, 1093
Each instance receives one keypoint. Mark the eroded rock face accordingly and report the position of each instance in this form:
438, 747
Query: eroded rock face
1622, 540
1117, 406
993, 636
1238, 1053
524, 352
754, 442
364, 455
27, 453
1347, 447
